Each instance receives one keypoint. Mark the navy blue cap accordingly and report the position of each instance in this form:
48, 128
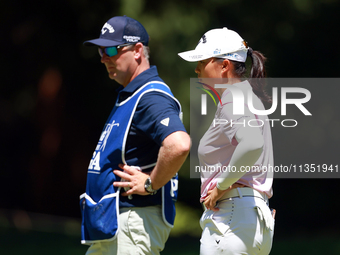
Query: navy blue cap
120, 30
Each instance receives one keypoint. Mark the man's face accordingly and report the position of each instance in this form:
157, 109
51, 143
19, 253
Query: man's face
121, 66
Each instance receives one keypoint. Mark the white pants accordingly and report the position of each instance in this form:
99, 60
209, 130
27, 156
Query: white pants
141, 231
243, 225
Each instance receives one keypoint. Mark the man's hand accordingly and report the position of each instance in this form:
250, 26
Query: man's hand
172, 154
134, 179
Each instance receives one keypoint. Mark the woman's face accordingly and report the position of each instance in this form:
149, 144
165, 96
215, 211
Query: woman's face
209, 68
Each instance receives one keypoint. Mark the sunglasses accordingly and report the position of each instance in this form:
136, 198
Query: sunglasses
111, 51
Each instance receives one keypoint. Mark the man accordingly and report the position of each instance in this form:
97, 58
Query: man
132, 211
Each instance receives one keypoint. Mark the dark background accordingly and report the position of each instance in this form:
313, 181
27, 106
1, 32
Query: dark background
55, 96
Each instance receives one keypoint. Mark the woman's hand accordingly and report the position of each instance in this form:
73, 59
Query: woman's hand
213, 196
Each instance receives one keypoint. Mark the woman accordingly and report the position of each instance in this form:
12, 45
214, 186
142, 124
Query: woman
237, 219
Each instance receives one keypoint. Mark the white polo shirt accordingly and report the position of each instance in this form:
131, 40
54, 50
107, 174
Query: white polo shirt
218, 144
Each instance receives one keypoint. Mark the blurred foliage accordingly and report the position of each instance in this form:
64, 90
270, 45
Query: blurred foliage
188, 221
55, 94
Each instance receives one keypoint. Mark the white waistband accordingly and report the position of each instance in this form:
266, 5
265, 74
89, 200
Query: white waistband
244, 192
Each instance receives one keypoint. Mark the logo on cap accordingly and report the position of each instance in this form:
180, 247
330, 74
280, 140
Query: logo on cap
204, 39
107, 27
217, 51
132, 39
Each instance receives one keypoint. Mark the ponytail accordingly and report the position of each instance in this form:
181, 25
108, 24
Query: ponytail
258, 72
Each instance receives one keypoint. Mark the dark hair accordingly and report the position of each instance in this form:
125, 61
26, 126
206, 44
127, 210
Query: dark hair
257, 72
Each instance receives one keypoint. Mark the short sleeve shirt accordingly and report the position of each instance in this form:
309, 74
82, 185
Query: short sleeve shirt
156, 117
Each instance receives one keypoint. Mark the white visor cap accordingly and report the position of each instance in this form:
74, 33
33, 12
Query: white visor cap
220, 43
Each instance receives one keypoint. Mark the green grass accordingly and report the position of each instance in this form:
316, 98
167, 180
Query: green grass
38, 234
14, 241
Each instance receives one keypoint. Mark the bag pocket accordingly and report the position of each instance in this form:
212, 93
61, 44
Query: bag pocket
99, 220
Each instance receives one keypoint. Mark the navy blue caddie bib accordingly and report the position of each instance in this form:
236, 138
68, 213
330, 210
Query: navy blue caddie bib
100, 203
